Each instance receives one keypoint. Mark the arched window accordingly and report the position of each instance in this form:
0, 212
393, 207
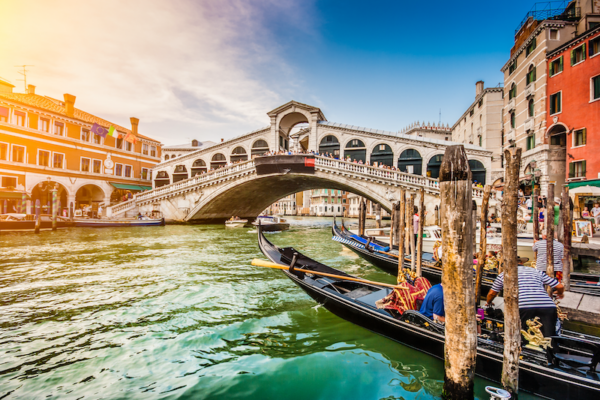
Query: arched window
433, 166
382, 154
162, 179
198, 167
238, 154
166, 157
531, 107
410, 161
530, 75
330, 144
180, 173
259, 148
513, 91
218, 161
477, 171
512, 120
356, 150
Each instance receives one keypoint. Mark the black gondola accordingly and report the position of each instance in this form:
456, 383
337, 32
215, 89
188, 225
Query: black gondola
566, 377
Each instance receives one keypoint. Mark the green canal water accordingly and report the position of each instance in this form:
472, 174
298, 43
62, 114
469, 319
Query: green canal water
178, 312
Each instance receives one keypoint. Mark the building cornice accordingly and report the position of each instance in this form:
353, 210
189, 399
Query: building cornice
573, 42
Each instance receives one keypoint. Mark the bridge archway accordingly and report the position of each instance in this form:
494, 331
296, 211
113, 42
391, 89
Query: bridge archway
410, 161
217, 161
382, 154
478, 171
198, 167
433, 166
259, 148
180, 173
330, 144
238, 154
162, 179
356, 150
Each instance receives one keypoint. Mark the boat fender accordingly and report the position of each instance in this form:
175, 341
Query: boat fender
497, 393
367, 246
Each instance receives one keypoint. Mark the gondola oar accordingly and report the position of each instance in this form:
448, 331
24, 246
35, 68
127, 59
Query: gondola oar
266, 264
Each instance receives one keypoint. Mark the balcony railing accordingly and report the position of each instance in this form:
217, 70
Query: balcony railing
556, 10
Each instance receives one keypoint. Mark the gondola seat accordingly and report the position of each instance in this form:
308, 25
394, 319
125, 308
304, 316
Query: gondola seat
575, 353
371, 298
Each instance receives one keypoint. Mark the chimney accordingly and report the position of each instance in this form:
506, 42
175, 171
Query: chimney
31, 89
134, 125
69, 104
222, 140
478, 88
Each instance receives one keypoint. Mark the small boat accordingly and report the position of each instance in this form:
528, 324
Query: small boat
116, 223
235, 223
271, 223
572, 371
15, 222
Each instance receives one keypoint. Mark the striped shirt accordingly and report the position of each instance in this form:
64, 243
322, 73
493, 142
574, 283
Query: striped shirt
531, 288
540, 247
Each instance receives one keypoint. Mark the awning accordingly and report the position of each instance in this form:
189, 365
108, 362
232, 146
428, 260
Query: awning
13, 195
595, 182
130, 187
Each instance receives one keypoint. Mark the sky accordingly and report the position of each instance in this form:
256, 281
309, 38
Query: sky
212, 69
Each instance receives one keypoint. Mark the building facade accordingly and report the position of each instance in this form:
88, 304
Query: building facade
481, 125
171, 152
47, 143
328, 203
573, 113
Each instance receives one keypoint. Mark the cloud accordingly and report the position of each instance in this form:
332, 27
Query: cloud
207, 69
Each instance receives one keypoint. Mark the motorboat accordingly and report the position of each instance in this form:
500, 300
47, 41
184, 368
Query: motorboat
271, 223
567, 370
235, 223
16, 222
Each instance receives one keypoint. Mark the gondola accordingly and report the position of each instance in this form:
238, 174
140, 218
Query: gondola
565, 377
118, 223
375, 254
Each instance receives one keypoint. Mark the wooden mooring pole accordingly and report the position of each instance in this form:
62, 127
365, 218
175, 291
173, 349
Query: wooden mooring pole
567, 217
485, 203
396, 223
378, 215
512, 322
474, 222
401, 232
550, 233
362, 215
536, 214
457, 265
420, 230
411, 228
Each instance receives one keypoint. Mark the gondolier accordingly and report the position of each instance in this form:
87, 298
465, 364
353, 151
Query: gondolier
533, 299
540, 248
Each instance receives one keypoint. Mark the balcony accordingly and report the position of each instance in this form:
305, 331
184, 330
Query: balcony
510, 135
530, 90
554, 10
529, 124
479, 131
511, 104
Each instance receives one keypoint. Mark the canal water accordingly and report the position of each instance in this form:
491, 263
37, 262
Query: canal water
178, 312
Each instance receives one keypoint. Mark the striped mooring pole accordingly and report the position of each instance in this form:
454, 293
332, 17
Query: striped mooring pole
37, 208
54, 209
23, 203
5, 207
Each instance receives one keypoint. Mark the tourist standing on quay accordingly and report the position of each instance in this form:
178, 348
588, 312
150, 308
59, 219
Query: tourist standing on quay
539, 247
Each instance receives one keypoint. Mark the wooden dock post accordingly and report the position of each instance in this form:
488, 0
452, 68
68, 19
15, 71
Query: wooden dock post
378, 215
396, 224
512, 321
420, 237
54, 209
457, 265
401, 232
567, 217
536, 214
485, 203
362, 215
411, 228
549, 220
474, 221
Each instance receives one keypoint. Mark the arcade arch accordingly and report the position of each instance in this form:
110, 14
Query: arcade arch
162, 179
218, 161
433, 166
259, 148
198, 167
43, 192
410, 161
89, 197
180, 173
356, 150
238, 154
330, 144
478, 171
382, 154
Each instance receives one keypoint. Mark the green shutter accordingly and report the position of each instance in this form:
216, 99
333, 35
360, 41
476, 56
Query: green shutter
560, 64
584, 136
583, 168
533, 73
552, 68
583, 52
596, 93
572, 57
558, 102
571, 170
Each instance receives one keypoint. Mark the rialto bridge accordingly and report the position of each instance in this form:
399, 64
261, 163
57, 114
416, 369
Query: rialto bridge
224, 180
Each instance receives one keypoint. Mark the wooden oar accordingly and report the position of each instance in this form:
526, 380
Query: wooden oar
266, 264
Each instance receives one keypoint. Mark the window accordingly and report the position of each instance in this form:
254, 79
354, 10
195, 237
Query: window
153, 151
531, 107
595, 88
594, 46
530, 48
58, 160
513, 91
593, 24
97, 139
85, 135
558, 140
118, 169
555, 103
43, 158
577, 169
128, 169
480, 103
579, 137
578, 55
19, 118
530, 142
381, 147
18, 153
9, 181
59, 127
4, 151
530, 75
145, 174
97, 166
553, 34
512, 67
44, 124
145, 149
556, 66
119, 143
512, 120
85, 164
3, 114
480, 141
128, 146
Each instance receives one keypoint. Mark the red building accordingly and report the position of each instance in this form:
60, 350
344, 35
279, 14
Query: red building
573, 112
